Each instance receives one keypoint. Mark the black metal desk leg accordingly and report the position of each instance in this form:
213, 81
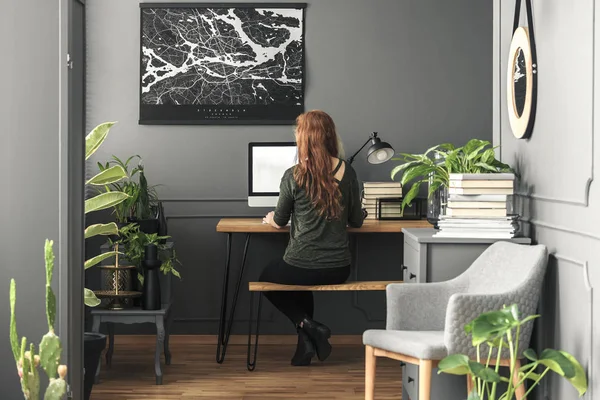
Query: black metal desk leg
251, 358
221, 336
225, 324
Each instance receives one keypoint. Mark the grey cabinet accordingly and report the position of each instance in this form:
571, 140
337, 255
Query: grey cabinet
431, 259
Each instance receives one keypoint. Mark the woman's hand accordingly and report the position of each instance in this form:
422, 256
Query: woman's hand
268, 219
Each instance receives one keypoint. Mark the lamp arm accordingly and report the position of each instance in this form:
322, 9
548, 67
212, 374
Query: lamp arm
351, 159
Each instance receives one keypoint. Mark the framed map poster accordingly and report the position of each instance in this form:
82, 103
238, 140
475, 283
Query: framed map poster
221, 63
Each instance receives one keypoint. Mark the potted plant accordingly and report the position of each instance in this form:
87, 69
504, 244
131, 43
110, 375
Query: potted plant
29, 361
437, 163
142, 206
132, 241
499, 332
94, 343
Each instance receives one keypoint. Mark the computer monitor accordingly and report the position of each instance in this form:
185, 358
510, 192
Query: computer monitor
267, 161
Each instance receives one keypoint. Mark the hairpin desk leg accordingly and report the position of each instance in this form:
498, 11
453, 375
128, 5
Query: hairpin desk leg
251, 358
225, 324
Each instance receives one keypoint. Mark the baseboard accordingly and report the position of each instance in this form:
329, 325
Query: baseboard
209, 340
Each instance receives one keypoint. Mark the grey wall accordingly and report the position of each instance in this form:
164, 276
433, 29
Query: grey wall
417, 71
29, 114
559, 165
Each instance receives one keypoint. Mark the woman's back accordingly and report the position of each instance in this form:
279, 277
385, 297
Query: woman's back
317, 241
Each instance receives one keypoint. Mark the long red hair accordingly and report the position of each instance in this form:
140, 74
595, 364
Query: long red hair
317, 142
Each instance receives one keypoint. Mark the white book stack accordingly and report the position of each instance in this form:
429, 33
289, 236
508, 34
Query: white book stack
374, 191
476, 207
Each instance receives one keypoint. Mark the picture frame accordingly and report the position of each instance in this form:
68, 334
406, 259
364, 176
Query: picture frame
221, 63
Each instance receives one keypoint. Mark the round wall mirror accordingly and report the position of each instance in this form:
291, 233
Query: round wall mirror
521, 85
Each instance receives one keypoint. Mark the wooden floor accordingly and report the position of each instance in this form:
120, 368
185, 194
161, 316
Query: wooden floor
194, 373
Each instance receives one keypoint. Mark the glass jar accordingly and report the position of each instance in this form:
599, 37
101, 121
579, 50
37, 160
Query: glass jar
436, 204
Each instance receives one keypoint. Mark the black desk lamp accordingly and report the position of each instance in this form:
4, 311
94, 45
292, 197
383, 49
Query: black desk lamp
378, 153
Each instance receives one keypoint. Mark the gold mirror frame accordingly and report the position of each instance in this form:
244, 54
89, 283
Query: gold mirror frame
521, 125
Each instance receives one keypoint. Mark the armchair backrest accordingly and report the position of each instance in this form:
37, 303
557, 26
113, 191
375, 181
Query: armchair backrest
506, 266
504, 274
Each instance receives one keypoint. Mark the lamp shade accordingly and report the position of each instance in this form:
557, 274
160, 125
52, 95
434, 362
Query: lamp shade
379, 152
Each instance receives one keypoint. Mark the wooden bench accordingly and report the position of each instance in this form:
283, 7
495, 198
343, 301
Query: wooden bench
260, 287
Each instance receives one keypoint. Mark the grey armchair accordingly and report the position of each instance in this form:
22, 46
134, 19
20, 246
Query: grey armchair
425, 322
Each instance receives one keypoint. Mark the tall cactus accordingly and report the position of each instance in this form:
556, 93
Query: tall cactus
50, 348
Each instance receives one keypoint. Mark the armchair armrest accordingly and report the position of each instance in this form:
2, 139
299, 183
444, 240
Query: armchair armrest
465, 307
419, 306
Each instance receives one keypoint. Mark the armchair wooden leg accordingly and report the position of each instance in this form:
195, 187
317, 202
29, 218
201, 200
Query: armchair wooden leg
370, 366
425, 367
520, 391
470, 385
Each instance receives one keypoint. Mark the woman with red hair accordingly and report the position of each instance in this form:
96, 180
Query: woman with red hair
321, 197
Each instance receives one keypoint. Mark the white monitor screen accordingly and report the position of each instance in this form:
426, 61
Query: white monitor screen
268, 163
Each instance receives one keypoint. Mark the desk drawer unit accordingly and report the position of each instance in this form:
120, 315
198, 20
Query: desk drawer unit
410, 382
431, 259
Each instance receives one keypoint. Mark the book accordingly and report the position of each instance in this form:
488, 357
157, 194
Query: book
477, 197
508, 219
481, 184
474, 235
381, 196
476, 204
484, 177
382, 184
375, 202
396, 191
475, 212
454, 190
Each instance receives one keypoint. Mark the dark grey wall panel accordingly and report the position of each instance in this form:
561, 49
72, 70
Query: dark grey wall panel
417, 71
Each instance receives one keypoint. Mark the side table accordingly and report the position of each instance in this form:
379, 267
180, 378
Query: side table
161, 318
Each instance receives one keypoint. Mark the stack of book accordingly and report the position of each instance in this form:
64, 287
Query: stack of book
476, 207
374, 191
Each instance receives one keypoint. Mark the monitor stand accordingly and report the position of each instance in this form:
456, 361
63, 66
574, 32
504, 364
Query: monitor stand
262, 201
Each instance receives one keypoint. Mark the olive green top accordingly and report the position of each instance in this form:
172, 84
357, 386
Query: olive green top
315, 241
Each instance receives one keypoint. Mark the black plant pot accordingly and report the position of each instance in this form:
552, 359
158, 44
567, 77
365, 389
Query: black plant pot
93, 344
148, 226
151, 292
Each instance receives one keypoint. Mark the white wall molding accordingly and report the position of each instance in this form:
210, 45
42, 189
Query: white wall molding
588, 285
547, 225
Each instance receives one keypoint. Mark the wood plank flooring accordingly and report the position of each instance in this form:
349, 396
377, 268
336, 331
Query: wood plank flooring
194, 373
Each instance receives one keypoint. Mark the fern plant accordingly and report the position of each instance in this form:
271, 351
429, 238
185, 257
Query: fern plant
438, 162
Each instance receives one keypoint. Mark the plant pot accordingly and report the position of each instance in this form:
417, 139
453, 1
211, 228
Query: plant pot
93, 344
148, 226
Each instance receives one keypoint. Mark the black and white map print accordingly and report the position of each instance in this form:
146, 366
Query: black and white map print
229, 65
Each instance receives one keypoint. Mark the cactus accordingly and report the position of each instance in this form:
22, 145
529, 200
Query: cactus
50, 348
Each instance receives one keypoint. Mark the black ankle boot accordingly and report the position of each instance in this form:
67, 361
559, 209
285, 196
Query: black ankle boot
319, 335
305, 350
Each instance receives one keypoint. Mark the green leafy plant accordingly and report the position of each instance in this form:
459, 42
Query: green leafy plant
499, 330
28, 362
102, 201
477, 156
134, 242
143, 199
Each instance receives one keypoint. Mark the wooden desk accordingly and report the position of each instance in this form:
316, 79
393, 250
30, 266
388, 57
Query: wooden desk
255, 225
251, 226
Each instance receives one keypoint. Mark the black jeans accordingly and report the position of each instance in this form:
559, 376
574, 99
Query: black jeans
299, 305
